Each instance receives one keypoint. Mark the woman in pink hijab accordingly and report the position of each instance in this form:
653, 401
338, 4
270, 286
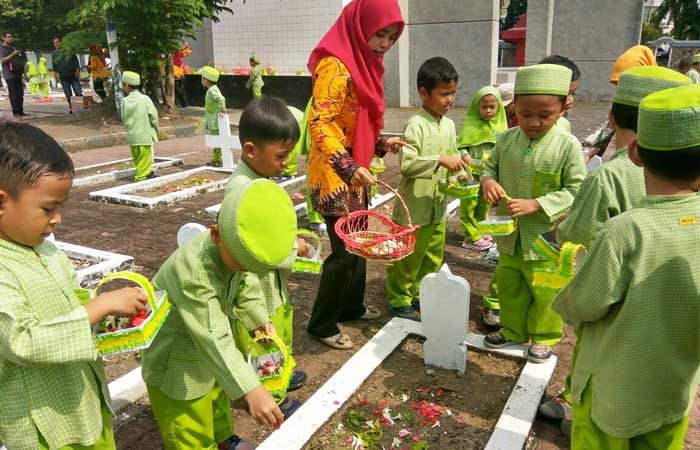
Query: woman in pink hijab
346, 116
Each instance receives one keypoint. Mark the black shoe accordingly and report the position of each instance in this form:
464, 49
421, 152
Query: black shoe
539, 353
236, 443
405, 312
289, 406
151, 175
298, 380
496, 340
415, 304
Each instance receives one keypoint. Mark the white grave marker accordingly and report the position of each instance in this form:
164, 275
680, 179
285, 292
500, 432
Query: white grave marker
594, 163
225, 141
444, 304
189, 231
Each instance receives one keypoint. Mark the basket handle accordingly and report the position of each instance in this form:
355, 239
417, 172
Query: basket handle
134, 277
272, 337
403, 203
315, 238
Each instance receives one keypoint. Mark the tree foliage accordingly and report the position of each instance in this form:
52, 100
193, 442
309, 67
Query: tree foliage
35, 22
685, 15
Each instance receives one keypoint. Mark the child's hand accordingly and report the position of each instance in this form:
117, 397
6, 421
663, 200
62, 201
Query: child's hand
121, 302
221, 115
518, 207
362, 177
263, 407
302, 248
451, 163
394, 144
265, 330
467, 159
493, 191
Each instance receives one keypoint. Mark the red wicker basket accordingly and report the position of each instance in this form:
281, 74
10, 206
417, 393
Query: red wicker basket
375, 236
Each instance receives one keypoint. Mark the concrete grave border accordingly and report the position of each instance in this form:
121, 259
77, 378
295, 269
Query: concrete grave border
120, 196
510, 433
114, 175
104, 262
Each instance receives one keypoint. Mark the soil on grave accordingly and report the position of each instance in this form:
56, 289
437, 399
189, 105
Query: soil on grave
80, 264
464, 410
200, 179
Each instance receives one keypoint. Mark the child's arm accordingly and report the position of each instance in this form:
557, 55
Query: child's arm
153, 115
589, 211
601, 282
416, 165
220, 103
492, 190
250, 306
573, 172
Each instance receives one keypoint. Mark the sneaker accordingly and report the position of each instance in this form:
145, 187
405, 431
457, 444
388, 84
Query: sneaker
298, 380
539, 353
497, 340
481, 245
492, 317
492, 255
415, 304
289, 406
236, 443
556, 408
405, 312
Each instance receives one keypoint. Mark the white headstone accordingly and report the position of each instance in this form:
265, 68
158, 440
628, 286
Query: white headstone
594, 163
225, 141
444, 305
189, 231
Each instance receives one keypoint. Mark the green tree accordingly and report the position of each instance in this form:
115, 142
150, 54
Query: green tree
35, 22
650, 33
685, 15
516, 8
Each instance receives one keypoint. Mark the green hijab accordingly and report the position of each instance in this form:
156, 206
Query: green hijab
476, 130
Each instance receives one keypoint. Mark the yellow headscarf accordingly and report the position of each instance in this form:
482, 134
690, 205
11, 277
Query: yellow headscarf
476, 130
639, 55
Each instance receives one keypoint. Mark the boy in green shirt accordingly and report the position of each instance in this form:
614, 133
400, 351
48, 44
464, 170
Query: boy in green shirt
214, 106
140, 119
617, 186
268, 132
635, 298
563, 122
193, 368
431, 152
538, 168
52, 382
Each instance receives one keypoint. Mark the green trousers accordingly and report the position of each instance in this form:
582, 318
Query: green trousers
586, 435
201, 423
283, 320
471, 212
311, 214
44, 86
404, 277
491, 300
216, 153
105, 441
526, 311
143, 160
257, 91
33, 86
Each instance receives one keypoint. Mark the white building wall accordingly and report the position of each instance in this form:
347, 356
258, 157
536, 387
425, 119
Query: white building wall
281, 33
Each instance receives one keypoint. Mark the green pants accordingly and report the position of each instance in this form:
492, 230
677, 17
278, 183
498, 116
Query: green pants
105, 441
586, 435
283, 320
292, 166
33, 86
257, 91
143, 160
471, 212
44, 86
216, 153
491, 300
404, 277
526, 311
311, 214
201, 423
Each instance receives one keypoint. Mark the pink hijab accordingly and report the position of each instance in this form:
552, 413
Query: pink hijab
347, 41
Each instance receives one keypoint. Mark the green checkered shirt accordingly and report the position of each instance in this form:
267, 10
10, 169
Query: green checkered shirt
615, 187
214, 103
637, 300
140, 118
260, 295
50, 374
195, 348
427, 139
549, 169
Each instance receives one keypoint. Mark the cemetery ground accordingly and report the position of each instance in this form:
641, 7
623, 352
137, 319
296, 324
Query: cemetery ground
149, 235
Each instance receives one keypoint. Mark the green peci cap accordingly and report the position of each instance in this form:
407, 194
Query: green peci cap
547, 79
258, 226
696, 58
131, 78
668, 119
638, 82
210, 73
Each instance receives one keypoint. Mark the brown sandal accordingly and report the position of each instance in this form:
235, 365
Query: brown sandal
340, 341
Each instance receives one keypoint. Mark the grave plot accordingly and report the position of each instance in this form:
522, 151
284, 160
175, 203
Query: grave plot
92, 265
120, 169
166, 189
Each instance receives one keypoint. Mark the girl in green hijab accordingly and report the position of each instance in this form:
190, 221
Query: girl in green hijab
485, 119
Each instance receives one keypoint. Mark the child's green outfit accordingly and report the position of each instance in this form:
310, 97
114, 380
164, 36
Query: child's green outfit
140, 119
291, 169
550, 170
214, 104
477, 139
193, 366
52, 383
427, 139
255, 81
43, 77
261, 298
33, 77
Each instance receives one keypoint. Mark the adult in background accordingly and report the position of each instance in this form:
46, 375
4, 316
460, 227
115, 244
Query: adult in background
12, 70
346, 116
97, 65
68, 69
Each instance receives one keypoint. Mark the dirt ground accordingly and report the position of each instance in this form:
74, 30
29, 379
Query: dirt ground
150, 236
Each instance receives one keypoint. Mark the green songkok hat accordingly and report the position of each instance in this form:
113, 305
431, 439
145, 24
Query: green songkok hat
255, 59
696, 58
544, 79
131, 78
476, 130
210, 73
258, 226
668, 119
638, 82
